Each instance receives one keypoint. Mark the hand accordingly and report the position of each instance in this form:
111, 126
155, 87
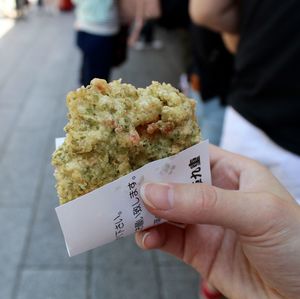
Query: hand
242, 234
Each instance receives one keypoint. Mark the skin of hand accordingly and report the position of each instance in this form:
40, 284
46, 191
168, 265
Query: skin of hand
242, 233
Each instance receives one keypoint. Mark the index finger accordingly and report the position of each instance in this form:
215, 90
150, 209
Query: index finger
217, 154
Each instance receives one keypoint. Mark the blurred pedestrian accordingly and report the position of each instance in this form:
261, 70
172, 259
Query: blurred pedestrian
140, 14
210, 80
97, 25
20, 6
49, 7
147, 38
263, 120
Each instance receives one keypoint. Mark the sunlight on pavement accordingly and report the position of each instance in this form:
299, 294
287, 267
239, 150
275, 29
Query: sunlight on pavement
5, 26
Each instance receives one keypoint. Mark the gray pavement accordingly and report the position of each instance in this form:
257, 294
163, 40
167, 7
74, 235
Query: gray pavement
38, 66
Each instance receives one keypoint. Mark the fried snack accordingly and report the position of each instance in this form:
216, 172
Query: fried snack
115, 128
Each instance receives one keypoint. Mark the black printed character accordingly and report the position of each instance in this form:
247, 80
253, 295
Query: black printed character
119, 226
195, 162
137, 210
139, 224
131, 185
134, 193
196, 175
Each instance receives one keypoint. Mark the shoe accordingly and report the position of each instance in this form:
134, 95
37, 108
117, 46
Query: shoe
157, 44
139, 45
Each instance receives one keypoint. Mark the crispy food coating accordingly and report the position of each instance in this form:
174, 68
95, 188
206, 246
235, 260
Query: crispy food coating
115, 128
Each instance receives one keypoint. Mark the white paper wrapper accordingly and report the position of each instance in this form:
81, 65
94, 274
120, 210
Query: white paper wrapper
116, 210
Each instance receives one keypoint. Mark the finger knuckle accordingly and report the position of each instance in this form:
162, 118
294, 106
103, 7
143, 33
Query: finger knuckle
205, 198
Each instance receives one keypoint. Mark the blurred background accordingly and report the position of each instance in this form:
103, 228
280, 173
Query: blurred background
39, 64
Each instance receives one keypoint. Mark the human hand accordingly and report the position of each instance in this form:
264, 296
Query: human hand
242, 233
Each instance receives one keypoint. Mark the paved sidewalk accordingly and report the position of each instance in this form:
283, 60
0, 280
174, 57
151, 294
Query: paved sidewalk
38, 66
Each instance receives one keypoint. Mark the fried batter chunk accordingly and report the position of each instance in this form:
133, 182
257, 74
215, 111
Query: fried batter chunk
115, 128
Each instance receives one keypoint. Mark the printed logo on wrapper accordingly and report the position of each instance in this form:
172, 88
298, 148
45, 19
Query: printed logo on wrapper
116, 210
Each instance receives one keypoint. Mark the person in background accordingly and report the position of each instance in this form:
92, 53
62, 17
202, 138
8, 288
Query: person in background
147, 38
20, 6
210, 80
97, 25
51, 7
262, 120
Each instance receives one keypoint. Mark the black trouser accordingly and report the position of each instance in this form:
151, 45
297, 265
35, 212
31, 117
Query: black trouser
97, 52
148, 32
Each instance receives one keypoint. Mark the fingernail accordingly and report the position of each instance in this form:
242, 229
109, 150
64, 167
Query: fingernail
145, 236
177, 224
158, 196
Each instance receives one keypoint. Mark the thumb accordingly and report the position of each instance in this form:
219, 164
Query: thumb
247, 213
